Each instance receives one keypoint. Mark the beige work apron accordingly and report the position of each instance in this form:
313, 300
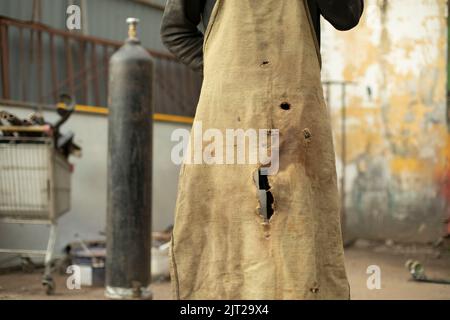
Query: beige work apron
259, 54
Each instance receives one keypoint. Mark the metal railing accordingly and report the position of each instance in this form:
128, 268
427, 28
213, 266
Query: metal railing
38, 63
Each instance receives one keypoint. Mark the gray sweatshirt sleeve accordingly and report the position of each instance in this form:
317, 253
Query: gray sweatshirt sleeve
180, 34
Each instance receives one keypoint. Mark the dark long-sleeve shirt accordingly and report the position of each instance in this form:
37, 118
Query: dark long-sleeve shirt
181, 35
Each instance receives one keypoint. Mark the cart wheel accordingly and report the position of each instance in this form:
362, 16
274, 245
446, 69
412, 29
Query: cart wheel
49, 285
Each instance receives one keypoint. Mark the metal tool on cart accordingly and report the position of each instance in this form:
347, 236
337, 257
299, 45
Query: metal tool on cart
35, 179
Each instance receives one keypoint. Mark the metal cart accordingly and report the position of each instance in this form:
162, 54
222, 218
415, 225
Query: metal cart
34, 189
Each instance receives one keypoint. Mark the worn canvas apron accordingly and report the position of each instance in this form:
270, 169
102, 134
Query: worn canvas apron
261, 71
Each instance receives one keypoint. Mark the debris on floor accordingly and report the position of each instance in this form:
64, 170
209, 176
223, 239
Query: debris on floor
395, 282
417, 272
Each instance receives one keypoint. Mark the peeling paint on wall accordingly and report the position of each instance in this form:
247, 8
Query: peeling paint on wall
396, 118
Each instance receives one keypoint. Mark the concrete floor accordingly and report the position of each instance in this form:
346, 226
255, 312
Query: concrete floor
395, 283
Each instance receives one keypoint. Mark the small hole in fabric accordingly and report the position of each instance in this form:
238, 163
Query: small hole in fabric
265, 63
314, 290
285, 106
307, 134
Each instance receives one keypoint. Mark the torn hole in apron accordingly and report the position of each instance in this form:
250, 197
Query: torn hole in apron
266, 200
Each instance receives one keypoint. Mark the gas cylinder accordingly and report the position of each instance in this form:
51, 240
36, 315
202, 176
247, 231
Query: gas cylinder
129, 170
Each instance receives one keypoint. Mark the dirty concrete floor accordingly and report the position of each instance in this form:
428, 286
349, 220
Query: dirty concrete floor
395, 283
395, 278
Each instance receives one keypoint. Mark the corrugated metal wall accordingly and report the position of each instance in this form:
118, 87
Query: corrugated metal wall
106, 18
43, 63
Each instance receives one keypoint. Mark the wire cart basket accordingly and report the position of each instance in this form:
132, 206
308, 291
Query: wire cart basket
35, 185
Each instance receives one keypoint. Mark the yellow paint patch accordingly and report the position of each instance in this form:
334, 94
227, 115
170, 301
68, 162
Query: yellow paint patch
409, 165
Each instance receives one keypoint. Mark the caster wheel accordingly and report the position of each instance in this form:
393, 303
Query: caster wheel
49, 286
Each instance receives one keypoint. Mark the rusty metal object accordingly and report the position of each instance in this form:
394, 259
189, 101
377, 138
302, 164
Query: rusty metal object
5, 61
84, 79
417, 272
53, 68
95, 72
129, 171
22, 66
40, 71
11, 119
36, 126
69, 65
37, 118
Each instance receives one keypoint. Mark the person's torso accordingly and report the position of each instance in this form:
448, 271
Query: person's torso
209, 6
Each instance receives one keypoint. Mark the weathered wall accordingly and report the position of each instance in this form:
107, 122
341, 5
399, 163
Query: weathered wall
396, 118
